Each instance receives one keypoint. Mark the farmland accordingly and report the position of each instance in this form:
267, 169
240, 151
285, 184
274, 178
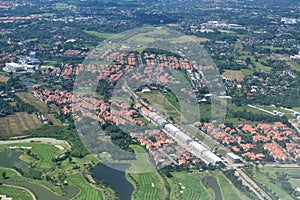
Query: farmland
147, 185
29, 98
19, 122
233, 75
4, 79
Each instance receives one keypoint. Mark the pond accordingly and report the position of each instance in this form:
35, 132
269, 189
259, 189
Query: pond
116, 179
213, 183
11, 159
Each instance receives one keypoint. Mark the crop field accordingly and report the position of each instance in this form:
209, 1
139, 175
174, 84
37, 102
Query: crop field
87, 191
29, 98
147, 185
4, 79
19, 122
233, 75
14, 193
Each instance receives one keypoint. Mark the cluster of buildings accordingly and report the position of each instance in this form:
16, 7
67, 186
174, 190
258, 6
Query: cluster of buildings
26, 64
256, 142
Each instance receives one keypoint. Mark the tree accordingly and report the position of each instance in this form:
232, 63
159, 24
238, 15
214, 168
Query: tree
4, 175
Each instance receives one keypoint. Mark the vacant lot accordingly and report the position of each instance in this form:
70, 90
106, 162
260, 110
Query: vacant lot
19, 122
233, 75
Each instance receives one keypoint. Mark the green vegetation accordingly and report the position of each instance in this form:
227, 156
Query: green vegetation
277, 182
147, 185
62, 178
87, 191
15, 192
99, 34
191, 185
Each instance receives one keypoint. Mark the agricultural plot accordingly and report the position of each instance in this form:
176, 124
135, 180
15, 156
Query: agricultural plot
14, 192
19, 122
233, 75
87, 191
4, 79
29, 98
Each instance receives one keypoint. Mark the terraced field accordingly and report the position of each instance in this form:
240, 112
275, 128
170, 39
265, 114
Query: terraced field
19, 122
14, 193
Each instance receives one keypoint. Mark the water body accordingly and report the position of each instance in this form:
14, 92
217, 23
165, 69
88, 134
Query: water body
116, 179
213, 183
11, 159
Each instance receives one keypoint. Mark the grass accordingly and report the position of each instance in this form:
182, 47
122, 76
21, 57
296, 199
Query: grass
99, 34
19, 122
147, 184
247, 72
295, 66
14, 192
87, 191
162, 105
185, 185
44, 153
188, 38
266, 176
188, 185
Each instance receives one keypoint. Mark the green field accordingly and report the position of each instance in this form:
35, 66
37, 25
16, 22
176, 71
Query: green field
100, 34
87, 191
147, 185
189, 185
14, 192
54, 174
269, 178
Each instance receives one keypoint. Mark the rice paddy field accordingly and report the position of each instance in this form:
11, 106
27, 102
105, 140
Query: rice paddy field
19, 122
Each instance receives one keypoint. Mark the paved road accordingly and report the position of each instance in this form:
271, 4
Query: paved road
260, 193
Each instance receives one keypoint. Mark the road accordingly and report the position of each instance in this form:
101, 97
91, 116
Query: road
261, 194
